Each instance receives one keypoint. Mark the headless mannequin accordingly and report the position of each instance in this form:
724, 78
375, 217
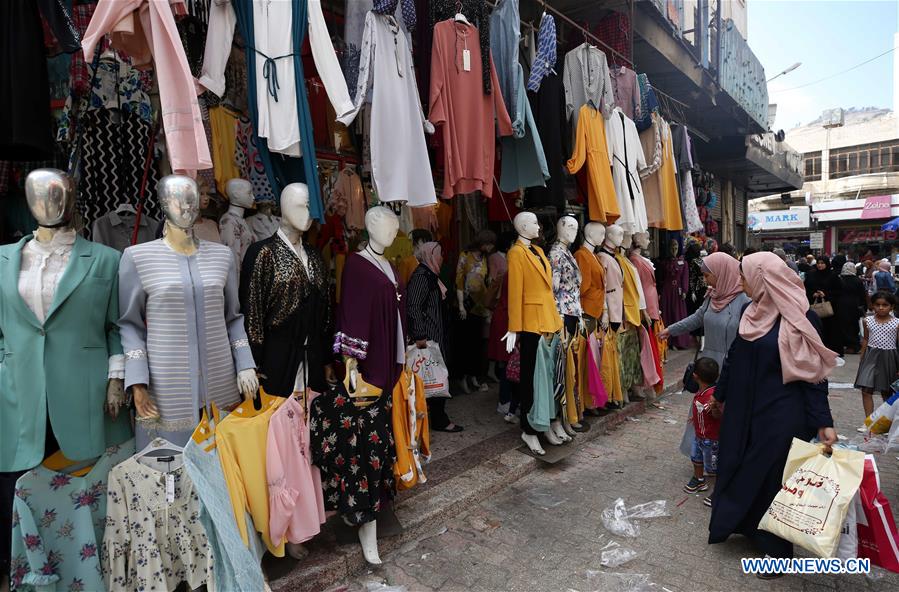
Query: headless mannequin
528, 228
382, 226
179, 197
50, 194
235, 232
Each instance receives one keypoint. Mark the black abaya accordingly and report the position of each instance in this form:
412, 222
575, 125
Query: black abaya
828, 282
848, 308
762, 416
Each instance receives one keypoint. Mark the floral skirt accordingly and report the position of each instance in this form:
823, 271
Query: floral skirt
610, 368
629, 354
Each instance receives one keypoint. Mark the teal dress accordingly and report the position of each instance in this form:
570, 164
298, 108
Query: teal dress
58, 523
543, 410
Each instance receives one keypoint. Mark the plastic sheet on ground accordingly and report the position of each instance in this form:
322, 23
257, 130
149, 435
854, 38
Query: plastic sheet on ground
545, 499
868, 443
602, 581
653, 509
618, 519
616, 556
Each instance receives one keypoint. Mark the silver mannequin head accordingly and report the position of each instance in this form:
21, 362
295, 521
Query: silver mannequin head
51, 197
179, 197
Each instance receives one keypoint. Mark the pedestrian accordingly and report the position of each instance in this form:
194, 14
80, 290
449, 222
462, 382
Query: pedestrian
473, 306
879, 366
507, 406
783, 256
426, 311
773, 388
823, 285
410, 263
850, 306
706, 427
719, 315
697, 285
883, 277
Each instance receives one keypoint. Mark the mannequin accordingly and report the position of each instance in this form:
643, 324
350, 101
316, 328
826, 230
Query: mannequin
646, 271
236, 233
532, 313
593, 287
613, 315
372, 295
263, 223
61, 362
675, 277
151, 277
206, 228
567, 293
285, 300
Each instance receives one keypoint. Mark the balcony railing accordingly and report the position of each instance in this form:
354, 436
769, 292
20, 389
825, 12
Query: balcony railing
741, 74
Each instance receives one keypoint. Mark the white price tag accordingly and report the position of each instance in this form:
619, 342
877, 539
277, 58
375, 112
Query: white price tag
466, 60
169, 488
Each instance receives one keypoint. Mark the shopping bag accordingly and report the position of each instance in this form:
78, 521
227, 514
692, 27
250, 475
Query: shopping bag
811, 506
822, 308
428, 365
848, 546
880, 421
877, 536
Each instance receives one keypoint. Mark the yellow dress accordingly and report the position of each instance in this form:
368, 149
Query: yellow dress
591, 148
671, 213
573, 405
610, 368
223, 124
241, 441
631, 294
410, 431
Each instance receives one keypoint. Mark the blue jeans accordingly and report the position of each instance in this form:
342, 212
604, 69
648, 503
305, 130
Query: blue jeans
705, 453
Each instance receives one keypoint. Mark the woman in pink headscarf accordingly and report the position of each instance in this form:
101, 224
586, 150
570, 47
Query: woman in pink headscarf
773, 387
719, 315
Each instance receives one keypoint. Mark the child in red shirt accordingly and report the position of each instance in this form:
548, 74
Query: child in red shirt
706, 426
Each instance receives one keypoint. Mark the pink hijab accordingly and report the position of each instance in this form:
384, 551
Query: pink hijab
778, 292
884, 265
727, 271
431, 256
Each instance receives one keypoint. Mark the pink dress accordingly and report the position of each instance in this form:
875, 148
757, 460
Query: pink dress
296, 505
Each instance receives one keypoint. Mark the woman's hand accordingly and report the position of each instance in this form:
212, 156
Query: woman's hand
828, 437
819, 294
663, 334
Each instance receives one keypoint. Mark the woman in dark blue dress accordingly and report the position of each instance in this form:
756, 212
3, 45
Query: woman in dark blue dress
773, 387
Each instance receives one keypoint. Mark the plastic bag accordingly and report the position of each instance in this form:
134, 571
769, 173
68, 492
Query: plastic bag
811, 506
848, 547
880, 421
617, 556
878, 539
653, 509
616, 521
601, 581
428, 365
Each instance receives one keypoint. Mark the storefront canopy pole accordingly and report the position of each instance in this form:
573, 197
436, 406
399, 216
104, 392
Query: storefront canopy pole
148, 162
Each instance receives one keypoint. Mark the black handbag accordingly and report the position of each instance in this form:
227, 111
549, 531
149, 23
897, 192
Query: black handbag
690, 384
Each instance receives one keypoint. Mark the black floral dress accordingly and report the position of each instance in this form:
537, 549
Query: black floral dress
354, 449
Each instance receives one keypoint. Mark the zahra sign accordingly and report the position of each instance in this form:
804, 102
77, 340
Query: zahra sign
794, 218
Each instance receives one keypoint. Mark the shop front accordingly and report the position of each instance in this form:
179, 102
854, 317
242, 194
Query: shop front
855, 226
788, 228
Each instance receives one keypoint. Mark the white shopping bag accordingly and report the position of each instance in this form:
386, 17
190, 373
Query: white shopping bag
428, 365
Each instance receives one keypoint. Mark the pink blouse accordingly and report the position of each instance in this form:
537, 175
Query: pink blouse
296, 505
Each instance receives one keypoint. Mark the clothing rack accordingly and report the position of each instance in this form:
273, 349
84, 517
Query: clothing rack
587, 34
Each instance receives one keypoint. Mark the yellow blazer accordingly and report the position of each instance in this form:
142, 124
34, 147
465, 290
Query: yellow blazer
532, 307
631, 294
593, 282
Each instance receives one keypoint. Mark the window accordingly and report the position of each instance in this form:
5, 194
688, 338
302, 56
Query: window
881, 157
812, 166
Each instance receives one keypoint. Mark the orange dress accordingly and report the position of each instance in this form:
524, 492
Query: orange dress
591, 147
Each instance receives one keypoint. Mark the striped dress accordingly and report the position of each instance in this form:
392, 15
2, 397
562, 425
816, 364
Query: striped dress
182, 332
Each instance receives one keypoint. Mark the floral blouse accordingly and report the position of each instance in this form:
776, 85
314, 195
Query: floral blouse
58, 524
471, 278
154, 539
566, 280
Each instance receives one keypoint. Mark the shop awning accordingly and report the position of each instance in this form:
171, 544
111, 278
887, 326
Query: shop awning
758, 162
891, 226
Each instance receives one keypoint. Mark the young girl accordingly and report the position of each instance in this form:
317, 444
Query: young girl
879, 365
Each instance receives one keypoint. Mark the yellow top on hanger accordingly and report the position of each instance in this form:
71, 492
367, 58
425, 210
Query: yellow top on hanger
631, 295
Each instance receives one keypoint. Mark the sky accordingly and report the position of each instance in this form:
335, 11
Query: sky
827, 36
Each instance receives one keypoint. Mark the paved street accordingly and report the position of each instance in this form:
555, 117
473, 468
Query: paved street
545, 531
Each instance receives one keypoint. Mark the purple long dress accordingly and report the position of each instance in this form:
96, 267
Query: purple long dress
366, 321
675, 283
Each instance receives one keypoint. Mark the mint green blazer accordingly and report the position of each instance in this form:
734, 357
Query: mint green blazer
62, 365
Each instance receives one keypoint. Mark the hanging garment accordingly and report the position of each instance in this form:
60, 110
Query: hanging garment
296, 505
593, 362
524, 162
223, 122
287, 313
354, 449
236, 566
249, 163
205, 229
411, 432
348, 190
647, 279
632, 291
241, 440
659, 178
649, 103
545, 60
626, 154
478, 14
466, 116
263, 226
548, 107
629, 356
367, 326
593, 147
354, 27
236, 234
166, 506
24, 106
531, 305
610, 368
566, 280
113, 153
684, 158
626, 91
401, 169
661, 344
649, 361
613, 276
543, 410
181, 120
593, 284
675, 285
115, 230
615, 31
587, 82
182, 332
58, 526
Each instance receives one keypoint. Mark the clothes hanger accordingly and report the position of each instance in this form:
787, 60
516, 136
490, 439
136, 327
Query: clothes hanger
159, 445
125, 207
206, 431
362, 393
460, 18
258, 404
59, 463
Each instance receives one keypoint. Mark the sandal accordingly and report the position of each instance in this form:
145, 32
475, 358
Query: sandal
452, 430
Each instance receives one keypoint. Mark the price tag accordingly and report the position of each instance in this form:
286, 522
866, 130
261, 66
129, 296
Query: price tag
169, 488
466, 60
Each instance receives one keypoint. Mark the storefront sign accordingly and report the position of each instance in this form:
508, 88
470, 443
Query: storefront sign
876, 206
866, 235
816, 240
794, 218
